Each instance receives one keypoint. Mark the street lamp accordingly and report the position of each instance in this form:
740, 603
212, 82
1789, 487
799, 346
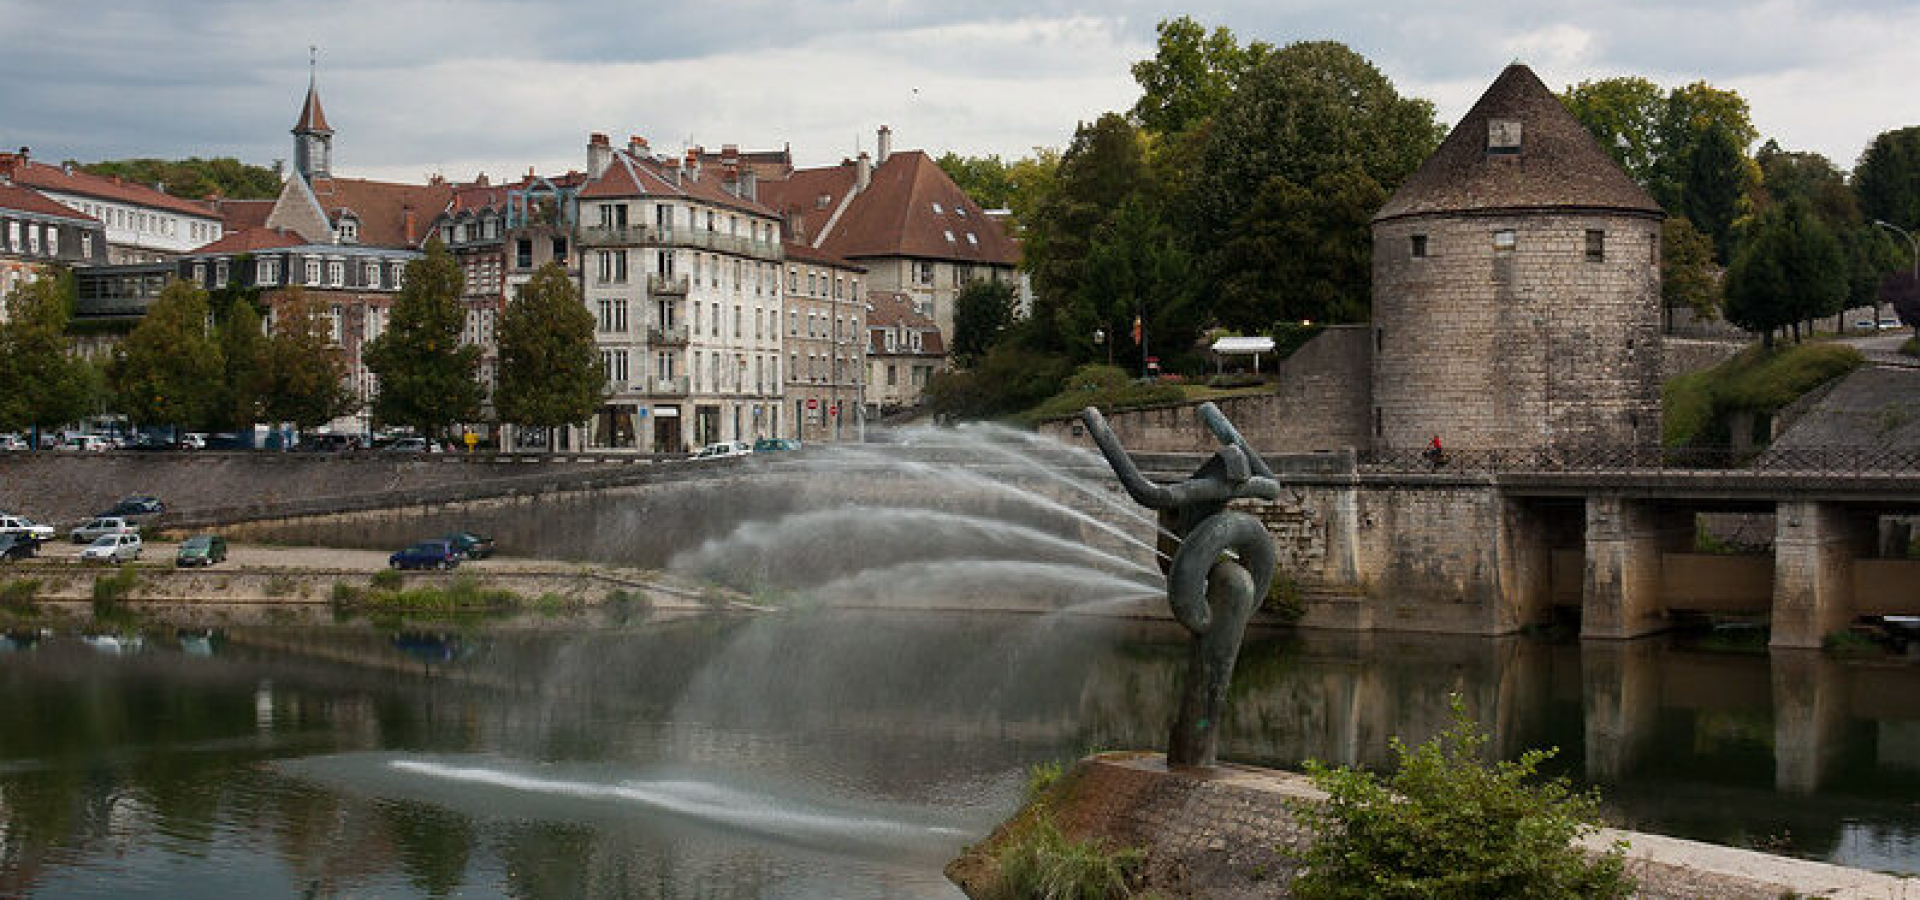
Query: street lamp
1100, 340
1912, 242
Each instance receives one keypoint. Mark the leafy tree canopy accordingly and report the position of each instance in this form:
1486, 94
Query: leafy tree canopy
168, 370
1302, 252
243, 353
195, 178
49, 386
1104, 166
426, 374
306, 376
1688, 276
551, 373
1191, 74
983, 311
1623, 115
1887, 178
1791, 269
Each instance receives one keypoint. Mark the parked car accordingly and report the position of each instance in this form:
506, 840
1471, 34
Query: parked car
330, 443
409, 445
17, 546
101, 526
113, 548
193, 440
12, 443
21, 525
201, 550
135, 506
86, 443
1891, 324
435, 554
1863, 324
724, 449
470, 545
775, 445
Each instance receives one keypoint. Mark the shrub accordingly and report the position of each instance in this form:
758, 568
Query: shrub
279, 586
1449, 824
1850, 644
1236, 380
388, 579
1007, 380
19, 592
1756, 380
1040, 777
1043, 864
111, 589
1284, 598
465, 593
346, 595
1106, 387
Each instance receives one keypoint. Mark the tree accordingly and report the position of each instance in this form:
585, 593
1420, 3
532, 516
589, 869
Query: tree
1301, 252
1191, 74
1654, 136
168, 370
1903, 291
981, 313
1623, 115
1688, 276
427, 377
49, 385
1104, 166
551, 373
1136, 269
984, 179
243, 354
1713, 187
1791, 269
306, 376
1450, 824
1887, 178
195, 178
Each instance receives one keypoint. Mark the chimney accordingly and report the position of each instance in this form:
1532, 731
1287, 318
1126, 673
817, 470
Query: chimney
672, 168
480, 180
599, 155
160, 187
66, 168
862, 172
693, 164
409, 223
638, 146
884, 148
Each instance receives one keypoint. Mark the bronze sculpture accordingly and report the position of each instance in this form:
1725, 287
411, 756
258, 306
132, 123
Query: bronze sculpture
1217, 574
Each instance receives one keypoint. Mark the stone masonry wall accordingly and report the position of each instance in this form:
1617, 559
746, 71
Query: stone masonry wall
1682, 355
1230, 832
1319, 402
1528, 348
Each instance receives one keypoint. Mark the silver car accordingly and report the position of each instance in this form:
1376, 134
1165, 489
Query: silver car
101, 526
113, 548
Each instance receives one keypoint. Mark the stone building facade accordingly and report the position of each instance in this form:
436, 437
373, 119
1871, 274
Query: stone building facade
1516, 283
36, 232
825, 343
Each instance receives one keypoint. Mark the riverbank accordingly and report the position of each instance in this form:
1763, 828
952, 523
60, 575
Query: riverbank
1231, 832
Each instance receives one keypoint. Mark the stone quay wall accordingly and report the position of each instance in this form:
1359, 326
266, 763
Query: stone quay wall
1319, 403
1231, 832
1681, 355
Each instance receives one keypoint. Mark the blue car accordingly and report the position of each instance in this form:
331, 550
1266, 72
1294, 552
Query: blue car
426, 555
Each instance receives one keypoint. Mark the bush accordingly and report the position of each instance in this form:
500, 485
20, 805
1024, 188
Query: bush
1756, 380
388, 579
1106, 387
1008, 380
1043, 864
1284, 598
280, 586
1236, 380
1850, 644
111, 589
20, 592
465, 593
1041, 777
1291, 336
1449, 824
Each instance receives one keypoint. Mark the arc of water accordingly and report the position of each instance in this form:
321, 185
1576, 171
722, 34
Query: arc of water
969, 572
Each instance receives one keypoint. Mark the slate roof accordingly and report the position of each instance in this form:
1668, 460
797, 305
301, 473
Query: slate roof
895, 216
1558, 165
644, 176
27, 200
249, 240
45, 177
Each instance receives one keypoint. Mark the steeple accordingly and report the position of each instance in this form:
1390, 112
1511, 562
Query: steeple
312, 139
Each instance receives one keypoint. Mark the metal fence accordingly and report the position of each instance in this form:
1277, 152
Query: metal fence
1819, 460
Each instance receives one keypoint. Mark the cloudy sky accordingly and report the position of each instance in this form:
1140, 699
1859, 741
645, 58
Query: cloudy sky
418, 86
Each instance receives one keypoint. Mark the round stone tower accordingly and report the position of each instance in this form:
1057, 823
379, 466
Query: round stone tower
1516, 291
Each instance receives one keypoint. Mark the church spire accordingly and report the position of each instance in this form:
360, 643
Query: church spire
312, 139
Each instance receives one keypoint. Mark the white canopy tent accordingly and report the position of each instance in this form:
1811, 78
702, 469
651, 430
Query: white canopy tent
1241, 346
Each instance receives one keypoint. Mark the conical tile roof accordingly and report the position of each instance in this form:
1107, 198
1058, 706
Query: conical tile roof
1555, 165
312, 117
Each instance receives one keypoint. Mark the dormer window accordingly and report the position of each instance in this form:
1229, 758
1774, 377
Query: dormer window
949, 235
348, 230
936, 208
1503, 136
823, 201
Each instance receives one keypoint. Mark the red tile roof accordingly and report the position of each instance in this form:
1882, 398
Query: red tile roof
312, 117
896, 215
642, 176
887, 310
27, 200
383, 207
58, 178
249, 240
238, 214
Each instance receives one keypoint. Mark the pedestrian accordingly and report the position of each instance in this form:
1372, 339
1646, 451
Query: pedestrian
1434, 454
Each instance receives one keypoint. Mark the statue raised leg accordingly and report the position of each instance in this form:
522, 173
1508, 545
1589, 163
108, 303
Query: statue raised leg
1216, 575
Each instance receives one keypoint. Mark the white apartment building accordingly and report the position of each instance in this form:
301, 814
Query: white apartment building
142, 224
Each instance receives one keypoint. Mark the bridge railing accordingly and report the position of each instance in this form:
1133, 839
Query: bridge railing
1846, 459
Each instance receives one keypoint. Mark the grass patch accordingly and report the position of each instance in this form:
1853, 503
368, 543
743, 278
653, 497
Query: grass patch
280, 586
111, 589
623, 605
1041, 777
388, 579
1045, 864
1697, 405
19, 592
465, 593
1107, 387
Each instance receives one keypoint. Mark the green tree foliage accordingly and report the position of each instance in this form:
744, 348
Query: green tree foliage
551, 373
1104, 166
1010, 378
1135, 268
1624, 115
1870, 252
306, 376
1450, 825
1191, 74
1887, 178
983, 311
988, 180
1301, 253
195, 178
46, 384
1655, 137
1689, 278
1714, 185
1903, 291
1791, 269
168, 370
1310, 111
426, 375
243, 353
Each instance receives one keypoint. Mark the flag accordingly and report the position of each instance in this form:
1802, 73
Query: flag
1136, 329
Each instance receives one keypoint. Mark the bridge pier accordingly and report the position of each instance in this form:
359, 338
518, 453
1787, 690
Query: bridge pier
1620, 596
1809, 719
1620, 699
1814, 547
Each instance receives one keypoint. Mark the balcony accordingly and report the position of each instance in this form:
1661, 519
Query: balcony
713, 240
670, 336
667, 284
615, 235
668, 387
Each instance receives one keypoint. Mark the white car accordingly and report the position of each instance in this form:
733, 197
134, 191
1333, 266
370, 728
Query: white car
1891, 325
11, 442
724, 449
26, 527
103, 526
113, 548
87, 443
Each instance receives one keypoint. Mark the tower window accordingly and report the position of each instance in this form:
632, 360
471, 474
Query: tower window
1596, 245
1504, 241
1419, 244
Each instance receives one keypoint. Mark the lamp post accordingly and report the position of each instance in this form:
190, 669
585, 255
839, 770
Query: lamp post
1100, 340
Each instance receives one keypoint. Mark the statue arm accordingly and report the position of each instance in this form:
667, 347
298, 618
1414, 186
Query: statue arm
1139, 487
1216, 422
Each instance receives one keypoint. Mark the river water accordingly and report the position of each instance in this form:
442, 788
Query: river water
831, 754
